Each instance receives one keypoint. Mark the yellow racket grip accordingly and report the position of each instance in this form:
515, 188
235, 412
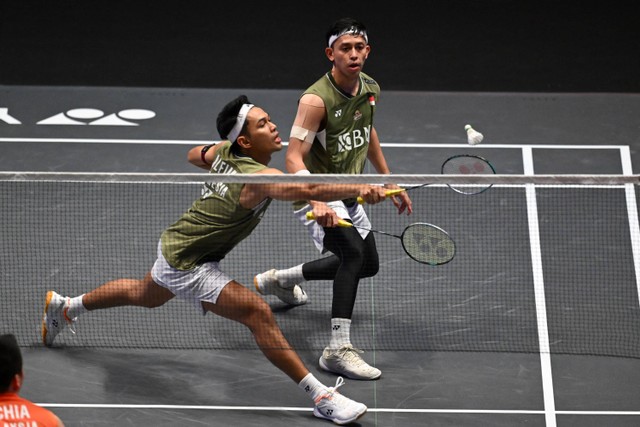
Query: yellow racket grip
386, 193
341, 223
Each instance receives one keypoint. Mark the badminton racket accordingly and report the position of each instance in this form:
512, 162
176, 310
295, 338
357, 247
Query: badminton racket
460, 164
423, 242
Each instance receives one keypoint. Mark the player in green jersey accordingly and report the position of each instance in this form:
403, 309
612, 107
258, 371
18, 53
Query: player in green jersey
333, 133
190, 250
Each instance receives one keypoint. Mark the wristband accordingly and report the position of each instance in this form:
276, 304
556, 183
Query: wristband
204, 151
303, 172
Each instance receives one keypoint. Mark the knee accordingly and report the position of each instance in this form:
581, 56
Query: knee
259, 316
371, 263
363, 263
355, 259
370, 267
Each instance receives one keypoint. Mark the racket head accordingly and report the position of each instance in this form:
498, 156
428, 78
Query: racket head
428, 244
468, 164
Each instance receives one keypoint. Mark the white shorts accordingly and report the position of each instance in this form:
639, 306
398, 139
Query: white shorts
355, 213
201, 284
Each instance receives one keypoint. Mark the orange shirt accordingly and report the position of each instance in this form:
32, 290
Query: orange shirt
19, 412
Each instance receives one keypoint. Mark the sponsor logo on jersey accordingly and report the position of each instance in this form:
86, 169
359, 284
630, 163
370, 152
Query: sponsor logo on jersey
354, 139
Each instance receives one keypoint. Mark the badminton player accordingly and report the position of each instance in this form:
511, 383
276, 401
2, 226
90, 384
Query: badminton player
190, 250
333, 133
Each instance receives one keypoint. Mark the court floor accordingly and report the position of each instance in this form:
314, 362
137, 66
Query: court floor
150, 130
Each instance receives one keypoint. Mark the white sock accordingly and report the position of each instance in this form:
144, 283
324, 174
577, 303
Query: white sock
290, 276
340, 333
76, 308
312, 386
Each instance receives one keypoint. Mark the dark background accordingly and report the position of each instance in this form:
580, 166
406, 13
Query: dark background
433, 45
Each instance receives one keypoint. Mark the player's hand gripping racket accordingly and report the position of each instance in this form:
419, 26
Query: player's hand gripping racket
425, 243
460, 164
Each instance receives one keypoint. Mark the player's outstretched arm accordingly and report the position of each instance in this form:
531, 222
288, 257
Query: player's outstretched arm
252, 194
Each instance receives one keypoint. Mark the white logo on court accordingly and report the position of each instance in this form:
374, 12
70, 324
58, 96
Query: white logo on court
5, 117
87, 116
95, 117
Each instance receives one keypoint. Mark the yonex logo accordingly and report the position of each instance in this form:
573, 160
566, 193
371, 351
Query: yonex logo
329, 411
307, 388
87, 116
338, 113
335, 327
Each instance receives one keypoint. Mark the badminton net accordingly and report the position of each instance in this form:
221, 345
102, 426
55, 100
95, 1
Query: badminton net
543, 264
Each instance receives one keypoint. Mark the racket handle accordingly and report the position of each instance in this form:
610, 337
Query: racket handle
386, 193
341, 223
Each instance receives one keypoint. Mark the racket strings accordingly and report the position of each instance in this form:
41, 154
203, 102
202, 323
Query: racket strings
428, 244
466, 164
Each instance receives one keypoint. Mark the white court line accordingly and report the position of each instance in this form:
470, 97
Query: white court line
282, 408
384, 144
538, 284
308, 409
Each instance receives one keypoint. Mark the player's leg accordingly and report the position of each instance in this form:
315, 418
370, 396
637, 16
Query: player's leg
357, 257
347, 245
327, 267
61, 312
237, 303
123, 292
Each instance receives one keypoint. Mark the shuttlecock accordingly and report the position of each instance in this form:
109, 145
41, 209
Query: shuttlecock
473, 136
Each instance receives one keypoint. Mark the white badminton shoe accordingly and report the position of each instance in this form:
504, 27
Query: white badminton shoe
267, 284
338, 408
347, 361
55, 318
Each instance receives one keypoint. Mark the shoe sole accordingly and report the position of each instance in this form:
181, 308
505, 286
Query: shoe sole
44, 318
255, 283
340, 422
346, 374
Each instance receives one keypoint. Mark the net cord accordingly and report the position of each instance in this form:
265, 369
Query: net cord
403, 179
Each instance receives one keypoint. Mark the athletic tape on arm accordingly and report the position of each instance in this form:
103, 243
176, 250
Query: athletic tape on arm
302, 134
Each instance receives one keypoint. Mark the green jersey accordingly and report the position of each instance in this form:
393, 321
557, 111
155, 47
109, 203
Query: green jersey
216, 222
341, 147
343, 144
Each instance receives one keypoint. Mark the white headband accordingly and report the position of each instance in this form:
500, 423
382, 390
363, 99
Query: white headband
237, 128
351, 31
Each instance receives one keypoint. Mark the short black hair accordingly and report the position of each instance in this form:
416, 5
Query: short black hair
10, 360
227, 117
345, 25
